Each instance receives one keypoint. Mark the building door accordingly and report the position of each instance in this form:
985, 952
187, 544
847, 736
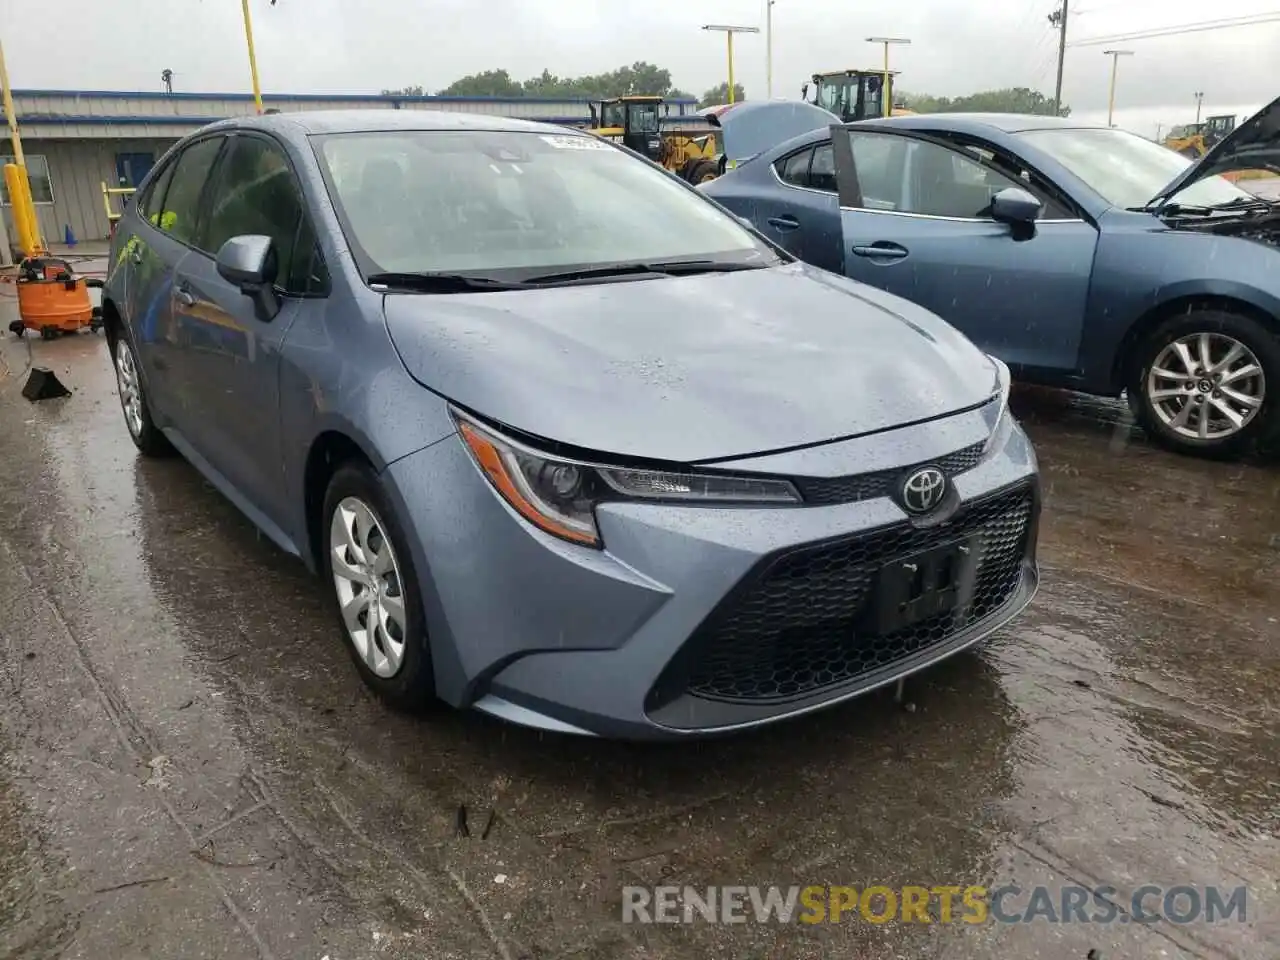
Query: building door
131, 168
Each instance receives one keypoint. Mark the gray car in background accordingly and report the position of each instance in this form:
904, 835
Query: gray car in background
566, 442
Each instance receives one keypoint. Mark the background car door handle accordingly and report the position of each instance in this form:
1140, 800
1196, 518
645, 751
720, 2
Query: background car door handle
881, 250
784, 223
185, 298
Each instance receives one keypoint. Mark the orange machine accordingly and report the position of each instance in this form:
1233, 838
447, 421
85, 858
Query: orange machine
53, 300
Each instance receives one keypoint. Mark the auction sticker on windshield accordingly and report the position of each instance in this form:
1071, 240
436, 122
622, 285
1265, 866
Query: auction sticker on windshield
575, 143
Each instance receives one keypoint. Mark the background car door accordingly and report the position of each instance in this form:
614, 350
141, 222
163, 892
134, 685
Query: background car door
231, 355
801, 212
915, 222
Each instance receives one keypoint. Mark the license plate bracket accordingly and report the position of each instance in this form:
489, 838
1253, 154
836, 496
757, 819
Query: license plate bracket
921, 585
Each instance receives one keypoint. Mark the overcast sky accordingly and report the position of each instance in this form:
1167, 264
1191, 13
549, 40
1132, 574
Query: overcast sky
361, 46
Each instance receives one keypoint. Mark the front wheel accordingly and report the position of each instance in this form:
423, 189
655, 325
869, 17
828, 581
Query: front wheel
375, 590
1199, 383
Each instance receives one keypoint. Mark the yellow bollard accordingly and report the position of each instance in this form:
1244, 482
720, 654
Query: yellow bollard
23, 215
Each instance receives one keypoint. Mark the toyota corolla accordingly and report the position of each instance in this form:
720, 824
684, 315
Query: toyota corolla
566, 442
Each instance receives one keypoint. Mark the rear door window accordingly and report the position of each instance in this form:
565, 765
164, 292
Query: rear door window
795, 168
152, 198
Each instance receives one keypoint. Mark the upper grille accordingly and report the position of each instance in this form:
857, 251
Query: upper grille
868, 486
793, 628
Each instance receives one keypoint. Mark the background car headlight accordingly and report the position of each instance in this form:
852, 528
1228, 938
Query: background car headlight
1002, 417
559, 495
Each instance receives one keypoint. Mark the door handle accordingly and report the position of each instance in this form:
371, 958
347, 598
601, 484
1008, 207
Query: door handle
185, 298
784, 223
880, 250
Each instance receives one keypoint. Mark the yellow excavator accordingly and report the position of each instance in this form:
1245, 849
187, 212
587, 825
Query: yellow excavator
688, 146
854, 95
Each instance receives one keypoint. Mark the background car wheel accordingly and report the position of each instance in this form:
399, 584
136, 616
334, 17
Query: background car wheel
1205, 383
370, 571
145, 434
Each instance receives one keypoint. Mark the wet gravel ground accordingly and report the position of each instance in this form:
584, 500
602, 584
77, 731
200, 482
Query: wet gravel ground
192, 768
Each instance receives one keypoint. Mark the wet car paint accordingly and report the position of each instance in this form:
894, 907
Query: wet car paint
192, 770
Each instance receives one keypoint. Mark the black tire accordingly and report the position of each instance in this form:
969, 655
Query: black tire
412, 688
1265, 346
148, 438
703, 171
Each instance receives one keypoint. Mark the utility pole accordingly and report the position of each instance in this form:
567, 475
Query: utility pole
1115, 56
1059, 19
253, 60
1199, 102
886, 87
768, 49
729, 31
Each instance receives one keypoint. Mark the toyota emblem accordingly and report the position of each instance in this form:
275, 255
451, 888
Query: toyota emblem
924, 489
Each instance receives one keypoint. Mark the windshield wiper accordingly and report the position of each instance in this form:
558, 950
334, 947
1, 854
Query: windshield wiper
430, 282
660, 268
1203, 210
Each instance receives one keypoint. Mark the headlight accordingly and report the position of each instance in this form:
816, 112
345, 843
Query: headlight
1001, 397
559, 496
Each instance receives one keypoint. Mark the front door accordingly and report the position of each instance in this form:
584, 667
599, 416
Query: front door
915, 222
231, 352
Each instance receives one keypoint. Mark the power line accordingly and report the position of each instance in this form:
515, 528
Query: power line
1201, 27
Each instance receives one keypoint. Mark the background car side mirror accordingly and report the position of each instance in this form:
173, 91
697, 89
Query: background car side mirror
1017, 207
250, 263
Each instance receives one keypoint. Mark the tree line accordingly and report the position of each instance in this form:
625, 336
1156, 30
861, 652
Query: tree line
647, 78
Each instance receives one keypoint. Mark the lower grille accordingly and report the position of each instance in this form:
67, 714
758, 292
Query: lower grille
793, 628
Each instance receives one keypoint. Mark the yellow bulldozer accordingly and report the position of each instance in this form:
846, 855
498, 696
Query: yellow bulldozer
854, 95
688, 146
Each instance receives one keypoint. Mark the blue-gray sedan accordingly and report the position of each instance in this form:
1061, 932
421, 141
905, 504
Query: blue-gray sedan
1084, 257
567, 443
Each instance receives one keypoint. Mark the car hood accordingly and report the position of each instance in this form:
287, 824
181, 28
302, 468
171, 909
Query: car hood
691, 369
1254, 145
752, 127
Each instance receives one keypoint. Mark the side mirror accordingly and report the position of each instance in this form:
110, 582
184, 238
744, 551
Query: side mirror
1016, 207
249, 262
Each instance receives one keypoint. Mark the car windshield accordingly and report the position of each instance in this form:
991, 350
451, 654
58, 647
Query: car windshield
1127, 170
517, 203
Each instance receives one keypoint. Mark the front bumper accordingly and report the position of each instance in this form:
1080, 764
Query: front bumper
698, 620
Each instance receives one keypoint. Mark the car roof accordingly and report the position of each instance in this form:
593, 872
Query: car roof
1004, 122
320, 122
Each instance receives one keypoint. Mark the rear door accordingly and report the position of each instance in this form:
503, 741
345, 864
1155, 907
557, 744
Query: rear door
915, 221
165, 224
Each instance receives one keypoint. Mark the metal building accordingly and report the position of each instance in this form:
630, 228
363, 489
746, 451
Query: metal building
76, 140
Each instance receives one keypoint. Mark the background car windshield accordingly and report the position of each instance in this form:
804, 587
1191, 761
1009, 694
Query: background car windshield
479, 202
1125, 169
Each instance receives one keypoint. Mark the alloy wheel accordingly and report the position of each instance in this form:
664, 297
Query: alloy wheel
1206, 386
367, 579
129, 387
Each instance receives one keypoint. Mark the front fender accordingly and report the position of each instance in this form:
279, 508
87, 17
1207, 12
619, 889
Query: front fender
1142, 266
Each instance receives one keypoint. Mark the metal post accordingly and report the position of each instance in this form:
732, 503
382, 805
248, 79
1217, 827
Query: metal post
730, 31
768, 47
1115, 56
253, 60
886, 88
730, 36
1062, 56
1199, 103
12, 117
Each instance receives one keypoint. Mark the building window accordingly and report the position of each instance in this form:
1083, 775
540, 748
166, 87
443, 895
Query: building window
37, 174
